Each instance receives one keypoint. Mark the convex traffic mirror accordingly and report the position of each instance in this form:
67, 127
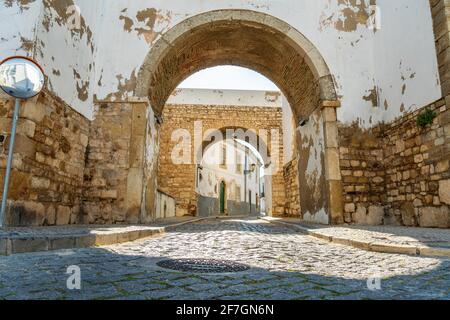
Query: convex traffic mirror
21, 77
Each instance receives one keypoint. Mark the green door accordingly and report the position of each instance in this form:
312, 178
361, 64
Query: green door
222, 197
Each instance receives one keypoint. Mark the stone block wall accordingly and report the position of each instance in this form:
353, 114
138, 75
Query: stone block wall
49, 158
114, 172
292, 189
417, 169
363, 175
398, 173
107, 164
441, 25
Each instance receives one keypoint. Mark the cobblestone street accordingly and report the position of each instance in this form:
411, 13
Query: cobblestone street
284, 265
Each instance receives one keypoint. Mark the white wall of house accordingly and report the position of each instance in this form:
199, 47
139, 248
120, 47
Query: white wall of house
101, 58
166, 206
237, 98
237, 183
289, 127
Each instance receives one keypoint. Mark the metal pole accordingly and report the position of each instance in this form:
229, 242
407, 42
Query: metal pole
9, 163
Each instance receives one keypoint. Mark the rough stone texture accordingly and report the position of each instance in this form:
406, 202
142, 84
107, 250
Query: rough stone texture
444, 191
292, 188
178, 180
114, 173
48, 162
278, 271
441, 26
433, 217
401, 167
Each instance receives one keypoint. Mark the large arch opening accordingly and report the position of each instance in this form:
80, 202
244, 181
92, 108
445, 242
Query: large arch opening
243, 38
276, 50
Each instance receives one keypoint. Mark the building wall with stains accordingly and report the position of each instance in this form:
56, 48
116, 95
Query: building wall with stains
92, 52
19, 23
311, 164
379, 74
406, 73
238, 184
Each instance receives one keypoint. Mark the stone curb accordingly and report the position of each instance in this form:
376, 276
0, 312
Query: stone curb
17, 244
367, 245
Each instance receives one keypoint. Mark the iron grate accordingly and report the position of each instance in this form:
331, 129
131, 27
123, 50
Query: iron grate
203, 265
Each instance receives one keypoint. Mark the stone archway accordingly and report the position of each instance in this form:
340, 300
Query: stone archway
186, 138
281, 53
261, 140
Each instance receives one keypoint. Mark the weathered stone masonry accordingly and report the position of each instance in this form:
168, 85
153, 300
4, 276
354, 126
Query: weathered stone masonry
292, 188
441, 25
49, 159
398, 173
114, 172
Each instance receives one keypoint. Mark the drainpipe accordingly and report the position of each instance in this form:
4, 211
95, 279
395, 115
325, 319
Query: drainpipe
245, 174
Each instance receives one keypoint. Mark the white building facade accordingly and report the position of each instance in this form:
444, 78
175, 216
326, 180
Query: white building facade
229, 180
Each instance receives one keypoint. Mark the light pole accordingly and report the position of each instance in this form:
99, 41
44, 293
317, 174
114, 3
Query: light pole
20, 78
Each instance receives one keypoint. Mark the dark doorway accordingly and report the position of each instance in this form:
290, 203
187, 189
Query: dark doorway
222, 197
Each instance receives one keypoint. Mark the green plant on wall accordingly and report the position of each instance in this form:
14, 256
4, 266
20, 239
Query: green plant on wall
426, 118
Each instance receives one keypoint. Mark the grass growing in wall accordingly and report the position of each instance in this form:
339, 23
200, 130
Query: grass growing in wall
426, 118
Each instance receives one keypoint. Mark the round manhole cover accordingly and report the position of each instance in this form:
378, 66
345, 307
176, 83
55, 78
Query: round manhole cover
202, 265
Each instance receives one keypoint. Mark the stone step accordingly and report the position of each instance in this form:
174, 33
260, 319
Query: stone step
26, 240
384, 239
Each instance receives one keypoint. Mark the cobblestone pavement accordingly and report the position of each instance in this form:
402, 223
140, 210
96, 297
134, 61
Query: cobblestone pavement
284, 265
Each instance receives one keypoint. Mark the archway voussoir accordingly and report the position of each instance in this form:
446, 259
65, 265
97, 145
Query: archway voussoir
298, 40
327, 88
149, 67
316, 63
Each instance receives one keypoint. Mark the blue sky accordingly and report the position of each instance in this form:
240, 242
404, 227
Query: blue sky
228, 77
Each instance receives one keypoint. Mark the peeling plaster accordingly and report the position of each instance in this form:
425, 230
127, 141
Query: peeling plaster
57, 11
372, 96
81, 86
350, 15
22, 4
310, 169
148, 23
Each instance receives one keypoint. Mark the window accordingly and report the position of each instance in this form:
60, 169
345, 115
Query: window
238, 193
